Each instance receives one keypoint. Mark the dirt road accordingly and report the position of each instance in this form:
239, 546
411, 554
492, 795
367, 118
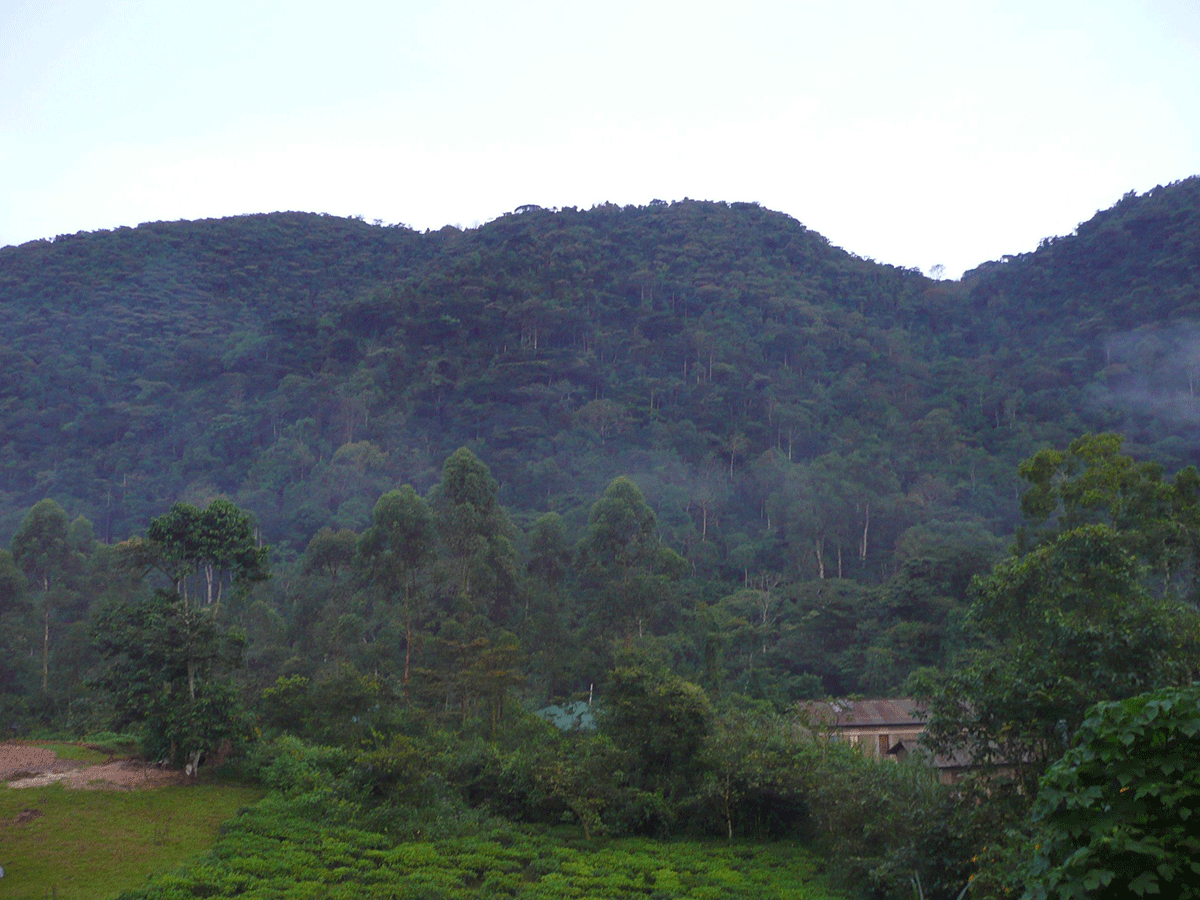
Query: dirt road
27, 764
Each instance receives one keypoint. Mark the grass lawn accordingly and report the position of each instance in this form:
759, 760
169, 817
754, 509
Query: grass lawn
93, 844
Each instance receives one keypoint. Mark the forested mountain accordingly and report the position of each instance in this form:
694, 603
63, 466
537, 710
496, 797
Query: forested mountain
377, 497
790, 412
782, 403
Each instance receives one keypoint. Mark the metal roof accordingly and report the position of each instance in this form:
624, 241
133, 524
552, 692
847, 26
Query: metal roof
863, 713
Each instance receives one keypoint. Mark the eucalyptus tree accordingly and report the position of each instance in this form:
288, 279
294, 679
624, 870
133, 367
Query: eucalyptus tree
399, 544
42, 549
623, 562
477, 534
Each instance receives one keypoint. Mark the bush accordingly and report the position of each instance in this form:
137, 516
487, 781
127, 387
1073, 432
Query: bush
1118, 815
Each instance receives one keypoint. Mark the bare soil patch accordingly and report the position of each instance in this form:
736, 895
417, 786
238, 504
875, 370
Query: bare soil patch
24, 764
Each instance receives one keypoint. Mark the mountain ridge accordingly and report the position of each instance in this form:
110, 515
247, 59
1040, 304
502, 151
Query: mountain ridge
241, 356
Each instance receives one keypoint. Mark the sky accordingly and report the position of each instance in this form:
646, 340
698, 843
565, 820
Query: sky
914, 133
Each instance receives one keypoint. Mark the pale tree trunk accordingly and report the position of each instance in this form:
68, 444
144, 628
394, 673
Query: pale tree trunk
193, 764
407, 649
408, 586
46, 647
862, 548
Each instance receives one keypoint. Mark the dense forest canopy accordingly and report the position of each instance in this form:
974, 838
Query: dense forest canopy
378, 496
775, 397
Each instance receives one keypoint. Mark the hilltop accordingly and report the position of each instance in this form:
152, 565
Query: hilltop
766, 389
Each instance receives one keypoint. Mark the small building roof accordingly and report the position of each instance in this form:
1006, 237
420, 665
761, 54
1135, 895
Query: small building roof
900, 712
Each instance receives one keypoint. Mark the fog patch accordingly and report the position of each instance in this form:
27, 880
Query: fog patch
1151, 381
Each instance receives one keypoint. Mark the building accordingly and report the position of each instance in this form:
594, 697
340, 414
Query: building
881, 728
888, 729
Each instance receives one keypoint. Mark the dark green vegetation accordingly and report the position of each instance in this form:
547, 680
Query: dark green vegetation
84, 844
277, 850
688, 461
1117, 815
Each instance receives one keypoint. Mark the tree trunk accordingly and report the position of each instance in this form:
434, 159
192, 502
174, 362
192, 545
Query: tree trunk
192, 769
46, 648
862, 549
407, 648
728, 807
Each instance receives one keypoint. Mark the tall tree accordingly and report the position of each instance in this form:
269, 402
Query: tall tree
623, 563
1157, 517
216, 543
476, 531
167, 669
394, 550
42, 550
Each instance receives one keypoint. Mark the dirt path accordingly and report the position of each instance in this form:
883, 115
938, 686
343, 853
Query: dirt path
24, 764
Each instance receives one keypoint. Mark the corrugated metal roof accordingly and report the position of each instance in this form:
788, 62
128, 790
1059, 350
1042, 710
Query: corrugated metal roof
863, 713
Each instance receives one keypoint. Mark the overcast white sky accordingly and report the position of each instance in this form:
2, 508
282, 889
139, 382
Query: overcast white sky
914, 133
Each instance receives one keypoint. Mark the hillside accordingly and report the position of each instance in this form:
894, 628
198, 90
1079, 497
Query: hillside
772, 395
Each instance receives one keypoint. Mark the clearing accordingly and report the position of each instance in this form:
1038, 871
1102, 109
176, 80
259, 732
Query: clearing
81, 822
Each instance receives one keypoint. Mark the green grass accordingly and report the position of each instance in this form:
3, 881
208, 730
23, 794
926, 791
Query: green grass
79, 752
90, 845
92, 750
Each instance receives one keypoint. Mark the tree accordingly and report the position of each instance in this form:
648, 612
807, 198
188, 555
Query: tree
549, 556
475, 530
167, 668
42, 549
576, 770
40, 545
1116, 816
12, 612
395, 548
755, 772
622, 559
168, 664
1068, 624
1091, 481
661, 722
217, 543
329, 552
1074, 617
547, 564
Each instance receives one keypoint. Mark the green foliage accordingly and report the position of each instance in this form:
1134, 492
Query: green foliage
623, 561
1093, 482
757, 775
216, 542
1117, 815
40, 546
660, 722
824, 452
167, 672
274, 850
1066, 624
330, 552
476, 531
340, 707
